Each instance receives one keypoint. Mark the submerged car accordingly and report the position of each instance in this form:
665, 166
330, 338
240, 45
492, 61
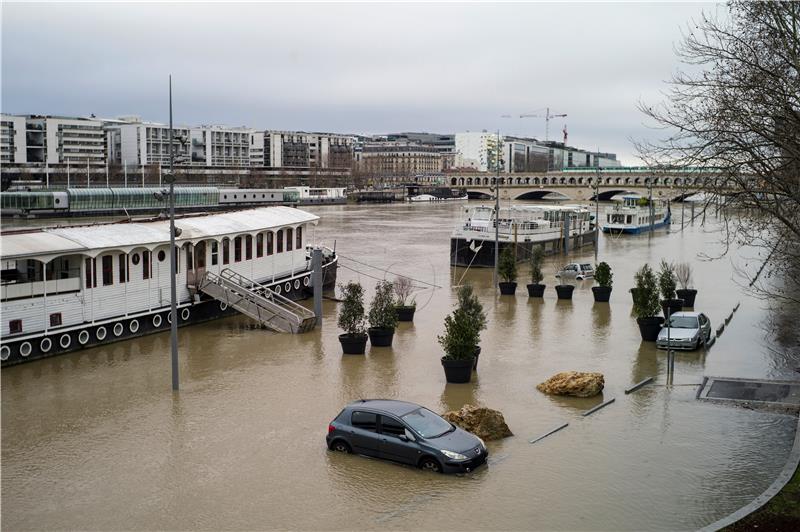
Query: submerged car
407, 433
576, 271
686, 330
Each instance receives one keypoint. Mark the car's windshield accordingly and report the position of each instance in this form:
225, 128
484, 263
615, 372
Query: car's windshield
426, 423
683, 322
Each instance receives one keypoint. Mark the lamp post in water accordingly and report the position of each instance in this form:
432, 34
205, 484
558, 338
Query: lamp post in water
496, 213
172, 258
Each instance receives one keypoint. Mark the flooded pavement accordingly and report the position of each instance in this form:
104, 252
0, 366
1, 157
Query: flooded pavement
96, 439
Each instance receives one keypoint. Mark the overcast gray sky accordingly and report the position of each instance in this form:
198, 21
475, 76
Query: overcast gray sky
354, 68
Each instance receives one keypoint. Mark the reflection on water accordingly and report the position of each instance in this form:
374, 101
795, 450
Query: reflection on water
96, 439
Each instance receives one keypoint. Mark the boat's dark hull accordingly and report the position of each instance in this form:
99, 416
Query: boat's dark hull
462, 255
68, 339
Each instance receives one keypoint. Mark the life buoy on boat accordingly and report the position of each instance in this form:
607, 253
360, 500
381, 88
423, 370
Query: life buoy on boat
101, 333
223, 306
5, 352
45, 345
277, 289
133, 326
306, 280
185, 314
288, 286
83, 337
157, 320
297, 284
169, 317
25, 349
66, 340
118, 329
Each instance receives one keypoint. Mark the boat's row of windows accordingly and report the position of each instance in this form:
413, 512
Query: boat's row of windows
283, 239
15, 326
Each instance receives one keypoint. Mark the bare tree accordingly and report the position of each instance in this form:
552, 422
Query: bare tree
735, 112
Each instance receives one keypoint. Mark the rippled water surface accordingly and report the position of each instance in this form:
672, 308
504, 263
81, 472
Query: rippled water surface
97, 440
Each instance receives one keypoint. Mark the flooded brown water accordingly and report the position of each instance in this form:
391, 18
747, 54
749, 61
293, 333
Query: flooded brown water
97, 440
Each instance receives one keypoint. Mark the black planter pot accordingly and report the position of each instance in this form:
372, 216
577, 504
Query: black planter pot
650, 327
536, 290
633, 294
405, 313
507, 289
601, 293
381, 336
564, 291
688, 295
475, 360
671, 306
458, 371
353, 344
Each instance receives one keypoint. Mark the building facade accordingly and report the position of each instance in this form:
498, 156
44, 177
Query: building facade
52, 140
479, 151
400, 159
13, 148
299, 149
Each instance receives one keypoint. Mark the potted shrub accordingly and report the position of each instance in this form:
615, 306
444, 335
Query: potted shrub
563, 289
646, 305
382, 315
667, 286
683, 272
536, 289
405, 307
469, 303
507, 270
461, 336
351, 319
604, 278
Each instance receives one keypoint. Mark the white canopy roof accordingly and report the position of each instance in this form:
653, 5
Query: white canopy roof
94, 239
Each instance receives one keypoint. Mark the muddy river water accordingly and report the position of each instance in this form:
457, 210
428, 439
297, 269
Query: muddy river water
97, 440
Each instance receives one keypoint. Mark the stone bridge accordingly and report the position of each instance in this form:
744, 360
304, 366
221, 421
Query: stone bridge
580, 185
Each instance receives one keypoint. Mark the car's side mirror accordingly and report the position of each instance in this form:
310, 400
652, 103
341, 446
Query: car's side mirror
403, 437
407, 436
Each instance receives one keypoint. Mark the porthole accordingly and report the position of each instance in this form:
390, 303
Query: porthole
297, 284
169, 317
45, 345
223, 306
287, 287
277, 289
157, 320
65, 341
234, 196
161, 256
5, 352
306, 281
185, 314
25, 349
83, 337
58, 201
263, 196
225, 196
101, 333
118, 329
133, 326
135, 259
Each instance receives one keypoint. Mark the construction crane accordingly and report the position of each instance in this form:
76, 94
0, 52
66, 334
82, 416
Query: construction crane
547, 117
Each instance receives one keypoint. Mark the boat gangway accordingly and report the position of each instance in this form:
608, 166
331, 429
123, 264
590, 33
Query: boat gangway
258, 302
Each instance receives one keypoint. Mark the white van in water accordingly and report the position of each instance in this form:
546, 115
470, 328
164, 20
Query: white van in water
577, 271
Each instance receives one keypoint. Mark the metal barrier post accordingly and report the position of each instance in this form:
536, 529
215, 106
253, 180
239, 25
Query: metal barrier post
316, 266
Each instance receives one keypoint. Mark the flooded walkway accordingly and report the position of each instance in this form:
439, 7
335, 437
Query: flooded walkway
96, 440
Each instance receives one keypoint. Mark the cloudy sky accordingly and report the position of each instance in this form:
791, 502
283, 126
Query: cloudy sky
354, 68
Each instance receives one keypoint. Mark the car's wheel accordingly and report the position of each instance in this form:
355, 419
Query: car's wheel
430, 464
340, 446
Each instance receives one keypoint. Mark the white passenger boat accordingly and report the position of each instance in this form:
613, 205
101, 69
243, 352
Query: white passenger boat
521, 226
428, 193
69, 288
632, 213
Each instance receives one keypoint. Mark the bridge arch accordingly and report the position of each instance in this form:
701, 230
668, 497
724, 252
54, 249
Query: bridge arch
543, 194
606, 195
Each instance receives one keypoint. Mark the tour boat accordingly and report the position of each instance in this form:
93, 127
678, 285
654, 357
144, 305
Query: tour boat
633, 214
69, 288
521, 226
423, 193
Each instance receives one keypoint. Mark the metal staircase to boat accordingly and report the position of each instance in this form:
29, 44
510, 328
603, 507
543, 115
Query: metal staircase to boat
258, 302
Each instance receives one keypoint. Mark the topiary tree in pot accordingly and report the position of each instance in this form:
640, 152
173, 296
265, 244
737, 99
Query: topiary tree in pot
461, 337
507, 270
351, 319
382, 315
667, 285
471, 305
604, 278
406, 306
683, 272
646, 305
536, 289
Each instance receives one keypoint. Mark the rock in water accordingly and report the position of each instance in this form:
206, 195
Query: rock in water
575, 383
485, 423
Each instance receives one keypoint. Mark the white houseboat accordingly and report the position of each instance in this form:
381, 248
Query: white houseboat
521, 226
633, 214
69, 288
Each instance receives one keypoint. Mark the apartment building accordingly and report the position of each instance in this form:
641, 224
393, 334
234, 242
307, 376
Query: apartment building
478, 150
13, 148
524, 155
400, 158
299, 149
52, 140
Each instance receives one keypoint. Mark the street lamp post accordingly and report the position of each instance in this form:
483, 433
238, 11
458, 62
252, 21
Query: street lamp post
597, 210
172, 255
496, 213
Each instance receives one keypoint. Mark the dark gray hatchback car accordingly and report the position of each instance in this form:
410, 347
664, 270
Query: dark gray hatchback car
407, 433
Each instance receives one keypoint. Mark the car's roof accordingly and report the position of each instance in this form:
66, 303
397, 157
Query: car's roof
686, 314
398, 408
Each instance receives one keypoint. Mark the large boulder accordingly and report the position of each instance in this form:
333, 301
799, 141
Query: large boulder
483, 422
575, 383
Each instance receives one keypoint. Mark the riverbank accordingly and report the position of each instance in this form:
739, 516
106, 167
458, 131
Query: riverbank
781, 513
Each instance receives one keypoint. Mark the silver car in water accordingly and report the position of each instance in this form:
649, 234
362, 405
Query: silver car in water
687, 330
